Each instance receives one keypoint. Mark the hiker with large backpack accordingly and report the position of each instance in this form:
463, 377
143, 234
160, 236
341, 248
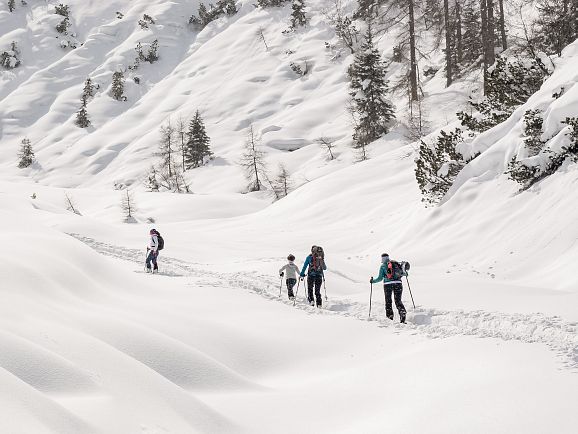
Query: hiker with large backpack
156, 243
391, 273
316, 263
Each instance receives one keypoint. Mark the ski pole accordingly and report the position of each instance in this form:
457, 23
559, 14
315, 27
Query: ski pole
280, 285
296, 291
409, 287
370, 297
324, 288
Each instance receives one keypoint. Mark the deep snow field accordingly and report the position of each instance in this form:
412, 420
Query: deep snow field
89, 343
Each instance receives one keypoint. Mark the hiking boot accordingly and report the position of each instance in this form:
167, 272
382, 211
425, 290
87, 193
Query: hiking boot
148, 270
291, 297
390, 317
402, 318
311, 303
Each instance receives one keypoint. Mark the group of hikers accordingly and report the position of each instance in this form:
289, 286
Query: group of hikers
390, 272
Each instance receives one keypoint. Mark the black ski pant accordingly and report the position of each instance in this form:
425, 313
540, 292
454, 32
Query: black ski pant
314, 280
290, 284
152, 257
396, 289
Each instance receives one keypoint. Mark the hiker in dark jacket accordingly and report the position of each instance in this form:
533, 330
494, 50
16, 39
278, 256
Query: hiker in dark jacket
316, 263
390, 286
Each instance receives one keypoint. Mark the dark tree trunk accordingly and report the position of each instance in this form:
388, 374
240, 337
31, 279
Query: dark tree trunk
412, 50
459, 46
448, 43
503, 25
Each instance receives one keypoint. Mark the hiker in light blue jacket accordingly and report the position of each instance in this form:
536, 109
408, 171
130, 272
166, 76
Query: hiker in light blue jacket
391, 284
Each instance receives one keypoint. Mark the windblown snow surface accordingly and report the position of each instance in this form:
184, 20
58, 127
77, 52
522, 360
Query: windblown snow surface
89, 343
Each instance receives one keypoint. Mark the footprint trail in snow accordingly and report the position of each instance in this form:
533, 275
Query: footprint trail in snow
560, 336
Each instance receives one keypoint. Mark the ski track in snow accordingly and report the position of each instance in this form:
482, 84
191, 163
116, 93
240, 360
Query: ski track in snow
561, 337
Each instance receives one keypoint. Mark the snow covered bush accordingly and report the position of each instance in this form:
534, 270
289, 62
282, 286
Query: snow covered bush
9, 59
145, 21
298, 17
271, 3
223, 7
527, 172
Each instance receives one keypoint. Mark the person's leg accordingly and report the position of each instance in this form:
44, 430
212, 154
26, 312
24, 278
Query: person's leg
318, 282
310, 280
148, 260
155, 265
388, 306
397, 291
290, 284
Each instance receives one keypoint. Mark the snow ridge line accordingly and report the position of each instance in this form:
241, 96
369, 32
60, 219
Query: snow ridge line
561, 337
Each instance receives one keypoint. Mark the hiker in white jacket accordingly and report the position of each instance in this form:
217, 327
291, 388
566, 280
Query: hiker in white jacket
290, 271
152, 252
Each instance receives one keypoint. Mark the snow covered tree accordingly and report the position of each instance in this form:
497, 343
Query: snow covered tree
181, 132
197, 146
151, 182
89, 89
282, 183
26, 154
70, 205
533, 122
82, 119
9, 59
557, 24
270, 3
128, 206
167, 147
471, 34
508, 85
298, 14
438, 165
153, 52
117, 89
64, 11
253, 161
372, 112
11, 5
327, 144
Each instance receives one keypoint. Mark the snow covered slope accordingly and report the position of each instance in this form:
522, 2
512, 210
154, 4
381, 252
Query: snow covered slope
92, 344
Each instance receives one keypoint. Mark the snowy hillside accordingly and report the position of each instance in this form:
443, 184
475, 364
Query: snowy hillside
92, 344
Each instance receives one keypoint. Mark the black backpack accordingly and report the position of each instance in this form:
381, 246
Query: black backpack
396, 270
317, 259
161, 241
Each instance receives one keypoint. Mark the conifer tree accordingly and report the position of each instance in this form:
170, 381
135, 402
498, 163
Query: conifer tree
118, 86
26, 154
11, 5
471, 34
372, 111
557, 24
9, 59
438, 165
298, 14
89, 89
82, 119
197, 143
128, 206
167, 147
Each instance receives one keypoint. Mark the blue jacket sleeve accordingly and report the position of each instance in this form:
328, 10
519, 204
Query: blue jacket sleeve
381, 275
305, 265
